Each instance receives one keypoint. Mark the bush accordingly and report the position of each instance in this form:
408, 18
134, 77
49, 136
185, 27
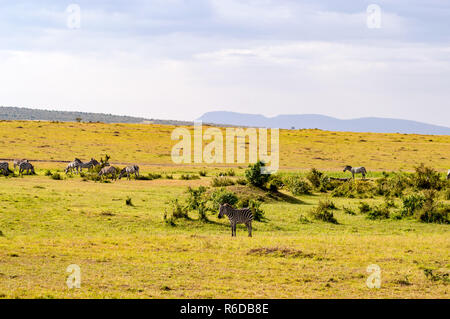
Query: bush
378, 212
315, 177
323, 214
297, 185
221, 182
354, 189
169, 176
230, 172
202, 173
176, 211
392, 185
258, 213
222, 196
241, 181
149, 177
411, 204
197, 201
188, 177
275, 182
48, 173
432, 211
348, 211
56, 176
327, 204
426, 178
363, 207
254, 175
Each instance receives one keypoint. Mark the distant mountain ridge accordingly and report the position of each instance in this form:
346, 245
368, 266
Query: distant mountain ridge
311, 121
24, 114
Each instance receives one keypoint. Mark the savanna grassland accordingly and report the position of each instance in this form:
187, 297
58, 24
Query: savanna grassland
117, 234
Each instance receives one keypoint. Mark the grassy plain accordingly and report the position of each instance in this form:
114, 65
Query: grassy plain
128, 251
151, 144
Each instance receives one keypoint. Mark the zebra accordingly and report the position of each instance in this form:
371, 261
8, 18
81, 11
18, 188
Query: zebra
4, 167
91, 163
75, 165
133, 169
26, 166
356, 170
17, 162
237, 216
108, 170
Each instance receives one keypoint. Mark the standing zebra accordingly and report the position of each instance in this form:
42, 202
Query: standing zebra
237, 216
356, 170
26, 166
133, 169
17, 162
75, 165
108, 170
88, 165
4, 167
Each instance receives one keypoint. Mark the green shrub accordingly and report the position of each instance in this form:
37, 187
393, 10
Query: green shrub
432, 211
378, 212
202, 173
363, 207
411, 204
348, 211
258, 213
315, 177
254, 175
197, 201
323, 214
222, 196
169, 176
230, 172
275, 182
221, 182
48, 173
188, 177
297, 185
392, 184
241, 181
326, 204
176, 211
354, 189
426, 178
56, 176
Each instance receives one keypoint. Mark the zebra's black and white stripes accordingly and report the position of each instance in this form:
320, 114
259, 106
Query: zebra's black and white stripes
133, 169
26, 166
4, 167
237, 216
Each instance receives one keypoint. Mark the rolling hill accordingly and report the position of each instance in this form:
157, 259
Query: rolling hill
312, 121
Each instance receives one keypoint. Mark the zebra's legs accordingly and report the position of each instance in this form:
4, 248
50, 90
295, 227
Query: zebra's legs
233, 230
249, 228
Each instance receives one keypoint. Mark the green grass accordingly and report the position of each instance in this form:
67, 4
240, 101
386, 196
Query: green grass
128, 251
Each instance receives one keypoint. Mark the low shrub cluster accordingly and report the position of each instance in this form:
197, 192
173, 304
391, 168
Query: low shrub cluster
298, 185
222, 182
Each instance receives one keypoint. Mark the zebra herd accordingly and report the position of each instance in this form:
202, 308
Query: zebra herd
77, 166
23, 165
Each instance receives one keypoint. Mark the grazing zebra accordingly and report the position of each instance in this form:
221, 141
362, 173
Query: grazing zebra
5, 168
75, 165
133, 169
237, 216
26, 166
88, 165
356, 170
17, 162
108, 170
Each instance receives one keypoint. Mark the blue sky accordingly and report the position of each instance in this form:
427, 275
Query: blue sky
176, 59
